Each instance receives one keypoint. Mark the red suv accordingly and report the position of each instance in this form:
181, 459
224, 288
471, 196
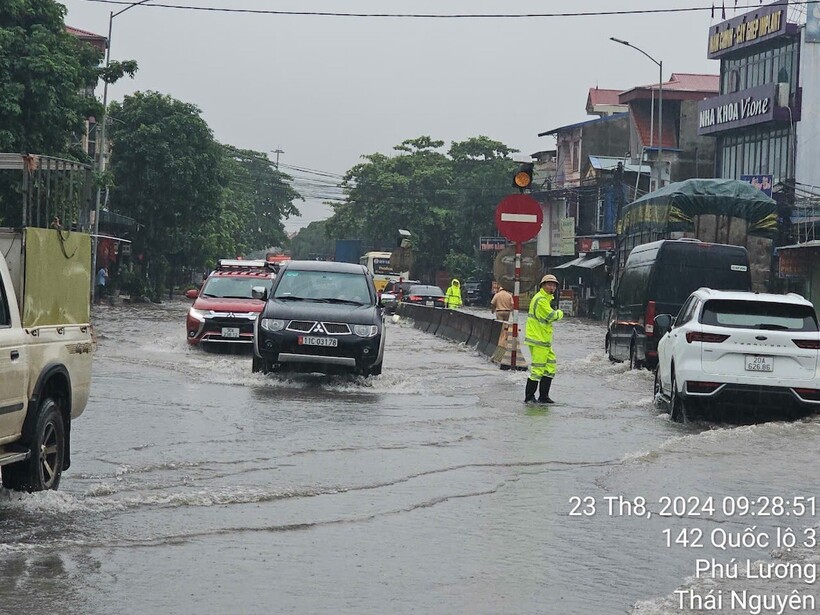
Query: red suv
224, 311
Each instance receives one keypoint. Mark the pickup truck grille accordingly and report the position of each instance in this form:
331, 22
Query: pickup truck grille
307, 326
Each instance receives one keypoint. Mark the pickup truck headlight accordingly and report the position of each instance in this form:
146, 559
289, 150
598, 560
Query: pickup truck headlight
365, 330
272, 324
197, 314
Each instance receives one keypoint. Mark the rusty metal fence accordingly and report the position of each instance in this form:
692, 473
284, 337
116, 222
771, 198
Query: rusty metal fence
53, 192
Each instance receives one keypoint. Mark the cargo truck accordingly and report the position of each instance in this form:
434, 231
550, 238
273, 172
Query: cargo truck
46, 347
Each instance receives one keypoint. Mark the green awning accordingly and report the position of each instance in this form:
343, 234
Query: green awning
674, 207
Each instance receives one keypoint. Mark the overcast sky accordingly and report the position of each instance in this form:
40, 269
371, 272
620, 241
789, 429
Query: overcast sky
327, 90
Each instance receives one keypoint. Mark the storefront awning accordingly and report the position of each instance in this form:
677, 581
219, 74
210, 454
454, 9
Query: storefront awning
584, 262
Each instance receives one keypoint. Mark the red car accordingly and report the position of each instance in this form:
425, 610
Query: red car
224, 311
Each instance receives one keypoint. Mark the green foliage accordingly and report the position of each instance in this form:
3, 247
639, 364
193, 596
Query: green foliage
313, 241
167, 172
195, 200
461, 266
117, 70
446, 200
252, 178
132, 283
44, 72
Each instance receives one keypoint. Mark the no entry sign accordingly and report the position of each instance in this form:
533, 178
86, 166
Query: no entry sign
519, 217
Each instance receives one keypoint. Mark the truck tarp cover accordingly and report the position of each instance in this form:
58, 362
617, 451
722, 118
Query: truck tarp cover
57, 278
674, 207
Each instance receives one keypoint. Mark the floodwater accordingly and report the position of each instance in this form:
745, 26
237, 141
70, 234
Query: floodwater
199, 487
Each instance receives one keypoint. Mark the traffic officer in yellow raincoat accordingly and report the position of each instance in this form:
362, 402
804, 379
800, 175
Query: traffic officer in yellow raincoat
452, 298
539, 339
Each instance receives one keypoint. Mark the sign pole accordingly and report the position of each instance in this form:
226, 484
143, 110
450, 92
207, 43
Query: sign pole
516, 292
518, 218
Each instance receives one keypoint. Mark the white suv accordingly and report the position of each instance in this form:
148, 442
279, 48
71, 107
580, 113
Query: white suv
739, 349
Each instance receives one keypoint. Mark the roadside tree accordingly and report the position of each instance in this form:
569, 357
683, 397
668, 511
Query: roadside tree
446, 200
168, 174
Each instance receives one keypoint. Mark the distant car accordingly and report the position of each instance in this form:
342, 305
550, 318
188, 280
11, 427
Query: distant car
422, 294
475, 293
743, 349
394, 292
320, 316
224, 310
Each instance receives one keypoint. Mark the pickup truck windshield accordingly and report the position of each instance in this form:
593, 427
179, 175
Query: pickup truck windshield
325, 286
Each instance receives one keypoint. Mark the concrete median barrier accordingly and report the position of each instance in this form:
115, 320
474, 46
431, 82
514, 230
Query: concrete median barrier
463, 325
482, 330
446, 329
483, 334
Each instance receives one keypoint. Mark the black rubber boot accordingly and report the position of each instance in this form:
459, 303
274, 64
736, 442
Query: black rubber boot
529, 396
544, 392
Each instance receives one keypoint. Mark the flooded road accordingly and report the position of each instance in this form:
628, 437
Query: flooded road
199, 487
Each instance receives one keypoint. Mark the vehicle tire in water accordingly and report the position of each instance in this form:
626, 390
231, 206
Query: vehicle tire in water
608, 350
657, 389
677, 405
634, 363
44, 467
376, 370
259, 365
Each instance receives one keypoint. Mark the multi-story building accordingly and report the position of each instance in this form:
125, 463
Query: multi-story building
685, 154
603, 163
765, 123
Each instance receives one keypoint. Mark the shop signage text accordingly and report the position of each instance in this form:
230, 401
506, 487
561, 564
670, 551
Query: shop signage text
752, 106
590, 244
734, 111
753, 27
491, 244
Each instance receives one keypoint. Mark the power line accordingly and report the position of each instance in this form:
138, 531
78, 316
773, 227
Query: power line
691, 9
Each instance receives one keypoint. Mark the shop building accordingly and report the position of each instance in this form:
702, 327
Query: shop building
765, 125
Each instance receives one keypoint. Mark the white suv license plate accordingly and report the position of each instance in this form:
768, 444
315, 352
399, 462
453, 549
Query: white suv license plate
232, 332
759, 363
309, 340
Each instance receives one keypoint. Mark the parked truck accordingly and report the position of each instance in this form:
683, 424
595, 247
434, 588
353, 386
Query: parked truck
46, 347
348, 250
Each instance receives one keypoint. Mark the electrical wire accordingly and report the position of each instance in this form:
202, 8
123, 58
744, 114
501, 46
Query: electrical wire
690, 9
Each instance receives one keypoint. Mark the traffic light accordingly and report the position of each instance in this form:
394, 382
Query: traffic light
523, 176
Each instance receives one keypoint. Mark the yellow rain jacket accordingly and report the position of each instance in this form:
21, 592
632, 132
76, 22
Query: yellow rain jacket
452, 298
539, 335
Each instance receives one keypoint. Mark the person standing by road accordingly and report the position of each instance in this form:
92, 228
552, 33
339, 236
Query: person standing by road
502, 304
539, 338
452, 298
102, 279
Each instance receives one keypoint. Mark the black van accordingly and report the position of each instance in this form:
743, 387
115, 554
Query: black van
657, 279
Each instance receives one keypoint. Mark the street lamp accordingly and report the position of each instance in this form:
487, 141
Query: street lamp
102, 143
652, 111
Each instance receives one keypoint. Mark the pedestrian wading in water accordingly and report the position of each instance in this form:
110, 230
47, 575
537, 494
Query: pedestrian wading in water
539, 338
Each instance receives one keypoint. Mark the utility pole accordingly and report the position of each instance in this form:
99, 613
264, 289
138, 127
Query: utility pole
278, 151
102, 145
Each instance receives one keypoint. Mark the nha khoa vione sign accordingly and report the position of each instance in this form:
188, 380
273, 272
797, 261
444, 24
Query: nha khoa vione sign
752, 106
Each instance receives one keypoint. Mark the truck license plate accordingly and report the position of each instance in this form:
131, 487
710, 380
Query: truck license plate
310, 340
232, 332
759, 363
